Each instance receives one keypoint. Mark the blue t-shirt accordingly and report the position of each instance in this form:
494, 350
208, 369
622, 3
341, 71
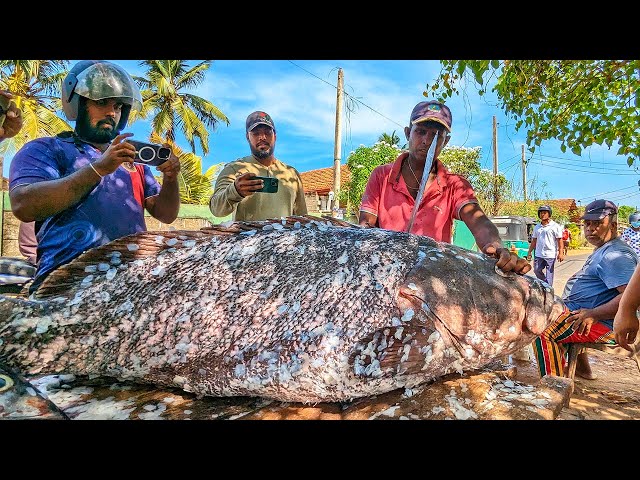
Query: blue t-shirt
607, 268
111, 210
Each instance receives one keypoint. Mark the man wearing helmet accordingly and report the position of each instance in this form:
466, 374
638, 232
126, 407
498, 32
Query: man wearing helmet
548, 244
82, 188
631, 234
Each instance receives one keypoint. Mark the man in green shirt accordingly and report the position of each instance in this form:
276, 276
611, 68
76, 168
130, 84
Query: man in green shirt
236, 187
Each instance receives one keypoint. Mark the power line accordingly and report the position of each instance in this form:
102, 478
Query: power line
348, 95
605, 193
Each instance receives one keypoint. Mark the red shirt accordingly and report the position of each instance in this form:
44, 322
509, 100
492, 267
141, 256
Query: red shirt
387, 197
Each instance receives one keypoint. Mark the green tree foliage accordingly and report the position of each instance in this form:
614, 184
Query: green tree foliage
624, 211
392, 139
577, 239
164, 97
195, 186
36, 84
578, 102
491, 192
361, 163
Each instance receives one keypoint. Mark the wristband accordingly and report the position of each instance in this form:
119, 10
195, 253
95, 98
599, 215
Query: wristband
94, 169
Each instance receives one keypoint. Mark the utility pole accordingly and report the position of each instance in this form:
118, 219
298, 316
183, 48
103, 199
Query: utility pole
495, 168
335, 203
524, 175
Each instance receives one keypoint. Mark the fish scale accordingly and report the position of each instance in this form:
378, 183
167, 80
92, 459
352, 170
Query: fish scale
230, 312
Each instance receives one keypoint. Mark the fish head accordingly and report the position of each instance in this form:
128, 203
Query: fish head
542, 307
478, 309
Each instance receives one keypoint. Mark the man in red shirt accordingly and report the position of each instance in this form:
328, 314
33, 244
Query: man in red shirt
390, 194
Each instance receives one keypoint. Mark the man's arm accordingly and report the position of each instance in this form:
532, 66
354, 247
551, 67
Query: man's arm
371, 200
625, 323
166, 205
41, 200
583, 318
300, 205
488, 239
225, 196
367, 219
560, 249
532, 247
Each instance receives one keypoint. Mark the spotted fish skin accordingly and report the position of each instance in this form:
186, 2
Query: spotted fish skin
308, 313
20, 400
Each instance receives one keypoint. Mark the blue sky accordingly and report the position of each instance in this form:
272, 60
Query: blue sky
300, 96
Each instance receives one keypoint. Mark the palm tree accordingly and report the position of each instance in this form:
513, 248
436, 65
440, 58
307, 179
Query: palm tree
172, 110
392, 139
195, 187
36, 85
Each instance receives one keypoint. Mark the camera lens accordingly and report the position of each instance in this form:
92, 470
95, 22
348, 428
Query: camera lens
146, 154
164, 153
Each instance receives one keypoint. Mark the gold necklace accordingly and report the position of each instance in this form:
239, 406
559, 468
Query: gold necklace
414, 176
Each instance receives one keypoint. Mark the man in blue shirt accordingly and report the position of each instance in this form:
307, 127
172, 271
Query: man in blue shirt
591, 295
82, 188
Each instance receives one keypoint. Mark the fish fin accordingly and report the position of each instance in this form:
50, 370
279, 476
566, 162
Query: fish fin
400, 349
408, 299
137, 246
286, 222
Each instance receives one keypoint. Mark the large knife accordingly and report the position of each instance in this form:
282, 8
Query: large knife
423, 181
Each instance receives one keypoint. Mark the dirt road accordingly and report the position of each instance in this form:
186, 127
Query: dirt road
615, 393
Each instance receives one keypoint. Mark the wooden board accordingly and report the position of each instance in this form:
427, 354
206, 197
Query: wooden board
490, 393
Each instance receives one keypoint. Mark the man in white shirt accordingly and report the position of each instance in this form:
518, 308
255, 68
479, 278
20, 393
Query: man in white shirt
547, 240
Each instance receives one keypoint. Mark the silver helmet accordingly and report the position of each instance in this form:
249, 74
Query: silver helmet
634, 217
96, 80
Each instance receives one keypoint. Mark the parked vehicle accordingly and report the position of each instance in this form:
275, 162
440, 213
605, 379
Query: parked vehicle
515, 232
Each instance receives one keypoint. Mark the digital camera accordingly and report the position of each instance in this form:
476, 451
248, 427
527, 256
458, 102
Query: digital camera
150, 153
270, 184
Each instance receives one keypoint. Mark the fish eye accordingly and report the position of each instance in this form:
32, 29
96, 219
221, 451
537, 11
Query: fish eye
5, 383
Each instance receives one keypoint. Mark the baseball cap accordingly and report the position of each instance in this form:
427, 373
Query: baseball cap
598, 209
431, 110
259, 118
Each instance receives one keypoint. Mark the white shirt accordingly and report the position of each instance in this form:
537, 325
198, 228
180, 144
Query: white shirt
547, 239
632, 238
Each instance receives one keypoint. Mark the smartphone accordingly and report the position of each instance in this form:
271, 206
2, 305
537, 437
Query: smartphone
150, 153
270, 184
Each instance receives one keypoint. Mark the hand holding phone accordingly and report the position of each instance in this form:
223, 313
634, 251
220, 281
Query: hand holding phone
270, 184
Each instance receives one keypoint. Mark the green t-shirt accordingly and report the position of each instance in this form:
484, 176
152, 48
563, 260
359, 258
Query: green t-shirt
288, 200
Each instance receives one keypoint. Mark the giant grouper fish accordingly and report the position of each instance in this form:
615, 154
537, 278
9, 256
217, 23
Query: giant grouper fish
292, 310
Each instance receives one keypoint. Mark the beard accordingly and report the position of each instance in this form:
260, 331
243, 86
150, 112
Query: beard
91, 134
262, 153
